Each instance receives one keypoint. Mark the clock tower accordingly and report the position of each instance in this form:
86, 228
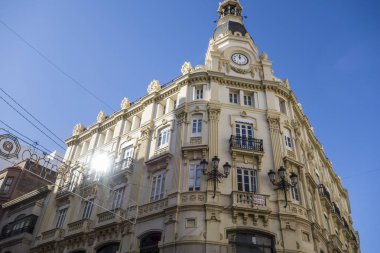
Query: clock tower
232, 50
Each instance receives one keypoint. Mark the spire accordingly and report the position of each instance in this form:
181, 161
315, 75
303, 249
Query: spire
230, 18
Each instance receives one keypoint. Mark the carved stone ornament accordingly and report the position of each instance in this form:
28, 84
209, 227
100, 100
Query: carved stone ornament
240, 71
125, 103
286, 83
78, 128
186, 68
274, 122
154, 86
101, 117
264, 56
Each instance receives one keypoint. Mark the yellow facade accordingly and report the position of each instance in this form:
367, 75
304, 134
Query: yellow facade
133, 182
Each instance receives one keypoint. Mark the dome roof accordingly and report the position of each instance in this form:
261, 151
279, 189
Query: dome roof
230, 26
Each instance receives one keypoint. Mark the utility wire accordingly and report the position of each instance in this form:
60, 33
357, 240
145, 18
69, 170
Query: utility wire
9, 96
55, 65
63, 148
32, 142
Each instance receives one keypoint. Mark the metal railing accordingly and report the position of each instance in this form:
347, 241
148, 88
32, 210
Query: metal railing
123, 165
247, 143
323, 192
23, 225
336, 209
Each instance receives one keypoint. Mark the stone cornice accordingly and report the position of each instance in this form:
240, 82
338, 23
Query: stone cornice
27, 196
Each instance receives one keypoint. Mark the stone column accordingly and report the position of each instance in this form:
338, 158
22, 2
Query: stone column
177, 160
213, 114
274, 127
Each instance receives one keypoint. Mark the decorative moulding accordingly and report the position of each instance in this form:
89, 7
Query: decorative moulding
186, 68
78, 129
125, 103
101, 117
154, 86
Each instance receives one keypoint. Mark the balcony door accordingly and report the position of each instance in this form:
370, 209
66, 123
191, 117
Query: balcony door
244, 134
127, 157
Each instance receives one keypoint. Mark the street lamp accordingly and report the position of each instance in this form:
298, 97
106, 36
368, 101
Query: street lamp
214, 174
283, 183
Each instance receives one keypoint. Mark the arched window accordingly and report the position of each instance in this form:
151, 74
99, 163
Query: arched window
109, 248
149, 243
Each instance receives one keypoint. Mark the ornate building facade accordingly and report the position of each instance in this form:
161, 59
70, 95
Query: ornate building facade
146, 178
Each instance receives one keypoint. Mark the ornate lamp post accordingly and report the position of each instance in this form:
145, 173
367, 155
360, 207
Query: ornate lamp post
283, 183
214, 174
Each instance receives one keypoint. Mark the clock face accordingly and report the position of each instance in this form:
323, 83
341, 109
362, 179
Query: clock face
239, 59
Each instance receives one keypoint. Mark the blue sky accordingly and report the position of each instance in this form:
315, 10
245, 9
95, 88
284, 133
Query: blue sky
329, 50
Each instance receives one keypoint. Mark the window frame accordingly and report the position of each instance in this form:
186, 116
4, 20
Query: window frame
195, 177
296, 194
249, 102
197, 126
158, 186
87, 209
234, 97
117, 197
61, 216
161, 137
6, 187
198, 92
282, 105
252, 177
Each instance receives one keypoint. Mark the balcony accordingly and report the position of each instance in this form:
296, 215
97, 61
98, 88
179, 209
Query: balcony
107, 217
249, 200
336, 213
81, 226
246, 143
55, 234
20, 226
336, 243
325, 196
125, 165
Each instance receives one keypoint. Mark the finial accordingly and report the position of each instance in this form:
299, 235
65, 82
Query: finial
186, 68
78, 128
101, 117
154, 86
125, 103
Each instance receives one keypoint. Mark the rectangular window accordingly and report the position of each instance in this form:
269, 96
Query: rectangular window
195, 177
288, 142
198, 92
61, 217
247, 180
158, 186
118, 196
88, 205
244, 135
234, 98
197, 127
248, 100
7, 184
282, 105
163, 138
296, 193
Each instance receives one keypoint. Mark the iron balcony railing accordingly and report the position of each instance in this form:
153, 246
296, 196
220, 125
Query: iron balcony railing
336, 209
345, 223
123, 165
247, 143
23, 225
323, 192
